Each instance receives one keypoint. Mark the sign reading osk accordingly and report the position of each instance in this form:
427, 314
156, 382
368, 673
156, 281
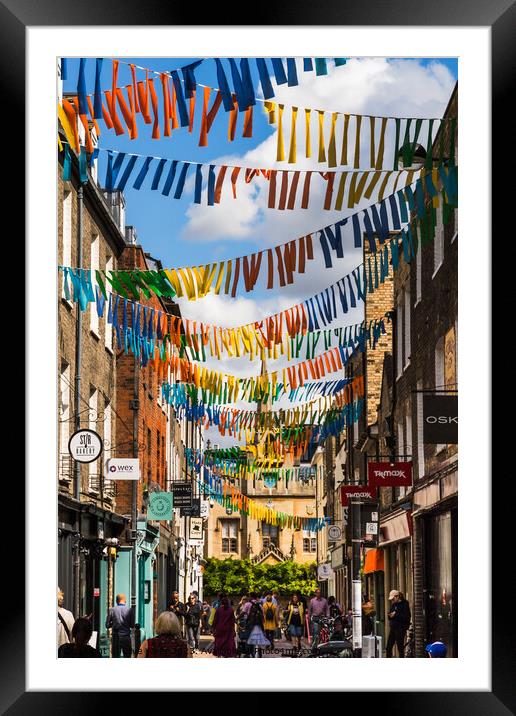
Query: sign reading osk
85, 445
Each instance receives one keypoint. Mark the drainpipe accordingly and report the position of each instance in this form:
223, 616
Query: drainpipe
77, 416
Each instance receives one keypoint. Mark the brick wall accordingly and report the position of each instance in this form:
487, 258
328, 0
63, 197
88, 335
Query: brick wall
152, 415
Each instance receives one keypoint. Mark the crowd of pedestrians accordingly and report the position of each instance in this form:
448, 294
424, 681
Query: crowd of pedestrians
244, 630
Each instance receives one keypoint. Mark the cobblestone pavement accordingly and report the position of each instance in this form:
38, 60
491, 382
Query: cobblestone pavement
282, 649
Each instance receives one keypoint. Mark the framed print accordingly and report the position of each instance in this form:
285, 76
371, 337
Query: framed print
249, 269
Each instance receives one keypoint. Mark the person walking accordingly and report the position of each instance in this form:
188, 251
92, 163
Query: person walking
241, 613
193, 621
168, 642
295, 619
270, 617
79, 648
178, 608
317, 608
65, 621
224, 630
255, 622
214, 606
120, 620
206, 609
399, 622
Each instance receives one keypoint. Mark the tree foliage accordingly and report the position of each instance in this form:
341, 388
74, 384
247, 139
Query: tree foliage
237, 576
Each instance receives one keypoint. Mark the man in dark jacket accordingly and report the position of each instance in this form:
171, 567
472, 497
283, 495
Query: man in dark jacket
120, 619
178, 608
399, 622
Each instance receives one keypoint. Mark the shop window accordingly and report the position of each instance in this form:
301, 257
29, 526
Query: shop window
229, 536
270, 534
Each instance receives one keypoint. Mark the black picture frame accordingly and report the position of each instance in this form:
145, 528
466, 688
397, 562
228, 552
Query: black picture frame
500, 16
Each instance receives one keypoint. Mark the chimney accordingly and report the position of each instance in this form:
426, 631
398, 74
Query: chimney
116, 203
130, 236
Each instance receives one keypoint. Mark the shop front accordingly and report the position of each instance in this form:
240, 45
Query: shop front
396, 545
435, 529
373, 571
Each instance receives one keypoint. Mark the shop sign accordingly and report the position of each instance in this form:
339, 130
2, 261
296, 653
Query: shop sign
205, 509
161, 505
370, 520
193, 510
337, 557
361, 492
85, 445
182, 492
270, 480
324, 571
334, 533
195, 530
123, 468
440, 419
389, 474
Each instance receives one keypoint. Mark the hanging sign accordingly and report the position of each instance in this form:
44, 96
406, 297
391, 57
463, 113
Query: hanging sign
182, 492
334, 533
440, 419
123, 468
161, 505
205, 509
389, 474
324, 571
195, 530
193, 510
350, 492
370, 521
270, 480
85, 445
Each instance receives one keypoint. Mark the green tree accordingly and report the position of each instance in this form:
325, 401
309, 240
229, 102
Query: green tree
236, 576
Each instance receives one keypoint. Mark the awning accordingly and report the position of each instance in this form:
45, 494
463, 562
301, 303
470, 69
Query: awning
374, 561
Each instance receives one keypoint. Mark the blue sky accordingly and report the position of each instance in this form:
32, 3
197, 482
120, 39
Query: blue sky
160, 221
180, 233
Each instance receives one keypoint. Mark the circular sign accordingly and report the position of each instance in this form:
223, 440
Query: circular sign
161, 504
85, 445
334, 532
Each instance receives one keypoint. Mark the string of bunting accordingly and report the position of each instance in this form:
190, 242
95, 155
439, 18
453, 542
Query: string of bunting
177, 112
287, 189
248, 390
232, 423
285, 260
231, 498
226, 388
175, 99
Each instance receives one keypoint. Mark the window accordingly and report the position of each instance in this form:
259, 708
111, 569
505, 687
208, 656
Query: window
270, 534
309, 541
229, 536
399, 335
419, 428
438, 242
94, 263
108, 332
64, 420
67, 231
407, 326
439, 372
93, 475
419, 271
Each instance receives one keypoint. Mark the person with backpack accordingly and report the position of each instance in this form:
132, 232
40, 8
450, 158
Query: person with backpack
255, 625
193, 622
270, 618
399, 622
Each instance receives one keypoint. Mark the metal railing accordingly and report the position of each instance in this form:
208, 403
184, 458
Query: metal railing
65, 467
108, 489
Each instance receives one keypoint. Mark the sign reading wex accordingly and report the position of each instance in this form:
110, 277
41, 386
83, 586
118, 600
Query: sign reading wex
440, 419
389, 474
123, 468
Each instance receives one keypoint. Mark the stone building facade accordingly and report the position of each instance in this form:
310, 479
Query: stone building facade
87, 509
